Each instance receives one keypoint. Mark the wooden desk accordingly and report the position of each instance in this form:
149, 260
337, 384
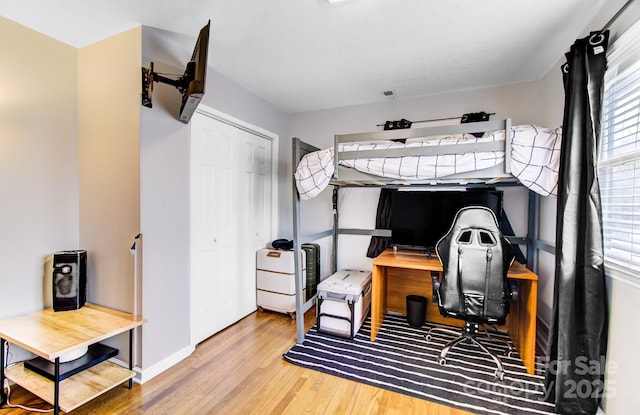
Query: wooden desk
50, 335
403, 268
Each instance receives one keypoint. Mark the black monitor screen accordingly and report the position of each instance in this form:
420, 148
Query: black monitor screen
420, 218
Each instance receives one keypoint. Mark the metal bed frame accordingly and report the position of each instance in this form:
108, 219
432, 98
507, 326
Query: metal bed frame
346, 177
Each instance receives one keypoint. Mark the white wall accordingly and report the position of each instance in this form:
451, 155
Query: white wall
38, 162
623, 364
109, 168
164, 210
165, 195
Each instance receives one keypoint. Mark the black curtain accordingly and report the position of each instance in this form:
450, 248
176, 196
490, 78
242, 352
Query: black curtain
578, 337
383, 221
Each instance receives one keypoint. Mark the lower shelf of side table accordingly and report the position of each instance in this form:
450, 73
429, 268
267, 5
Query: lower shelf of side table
96, 353
75, 390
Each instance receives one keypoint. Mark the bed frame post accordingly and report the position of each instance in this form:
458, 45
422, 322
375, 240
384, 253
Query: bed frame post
533, 230
335, 156
334, 257
507, 146
297, 260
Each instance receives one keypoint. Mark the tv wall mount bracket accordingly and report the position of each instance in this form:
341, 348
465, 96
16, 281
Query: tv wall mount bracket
149, 77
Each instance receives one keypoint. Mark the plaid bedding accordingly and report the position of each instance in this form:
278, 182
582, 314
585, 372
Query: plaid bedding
535, 157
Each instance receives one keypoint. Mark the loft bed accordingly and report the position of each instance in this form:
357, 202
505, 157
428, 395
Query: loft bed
488, 153
459, 154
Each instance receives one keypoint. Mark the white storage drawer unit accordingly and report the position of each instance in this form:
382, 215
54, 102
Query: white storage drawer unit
344, 300
275, 280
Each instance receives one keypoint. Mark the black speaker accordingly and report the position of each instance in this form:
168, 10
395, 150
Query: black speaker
69, 280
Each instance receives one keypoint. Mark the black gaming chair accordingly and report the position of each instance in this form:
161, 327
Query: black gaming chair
475, 257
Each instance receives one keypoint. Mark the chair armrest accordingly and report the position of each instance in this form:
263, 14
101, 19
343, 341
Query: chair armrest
435, 280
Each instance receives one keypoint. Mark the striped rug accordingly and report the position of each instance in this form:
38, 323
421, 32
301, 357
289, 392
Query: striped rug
401, 360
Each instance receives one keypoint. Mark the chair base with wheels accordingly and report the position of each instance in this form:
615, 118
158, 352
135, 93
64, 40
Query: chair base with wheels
469, 334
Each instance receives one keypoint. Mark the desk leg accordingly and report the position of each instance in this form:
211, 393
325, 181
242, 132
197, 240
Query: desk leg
529, 315
523, 330
56, 387
378, 299
3, 396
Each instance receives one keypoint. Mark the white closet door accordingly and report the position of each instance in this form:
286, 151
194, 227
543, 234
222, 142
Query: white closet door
230, 220
254, 194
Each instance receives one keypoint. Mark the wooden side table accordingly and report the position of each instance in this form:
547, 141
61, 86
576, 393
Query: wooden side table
50, 335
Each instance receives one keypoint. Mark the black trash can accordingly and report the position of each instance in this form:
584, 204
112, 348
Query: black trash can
416, 310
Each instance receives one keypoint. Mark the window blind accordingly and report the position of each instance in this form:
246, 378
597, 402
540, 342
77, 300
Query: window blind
619, 159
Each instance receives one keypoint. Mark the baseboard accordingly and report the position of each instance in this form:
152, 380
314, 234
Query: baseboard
146, 374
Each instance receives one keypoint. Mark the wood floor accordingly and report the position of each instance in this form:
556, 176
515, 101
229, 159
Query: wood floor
241, 371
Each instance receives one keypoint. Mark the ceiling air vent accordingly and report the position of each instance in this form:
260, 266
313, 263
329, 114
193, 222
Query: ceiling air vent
388, 94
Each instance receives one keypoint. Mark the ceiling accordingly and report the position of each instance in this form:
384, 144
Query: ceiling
304, 55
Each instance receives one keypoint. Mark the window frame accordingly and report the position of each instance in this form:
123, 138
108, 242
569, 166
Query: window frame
623, 63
